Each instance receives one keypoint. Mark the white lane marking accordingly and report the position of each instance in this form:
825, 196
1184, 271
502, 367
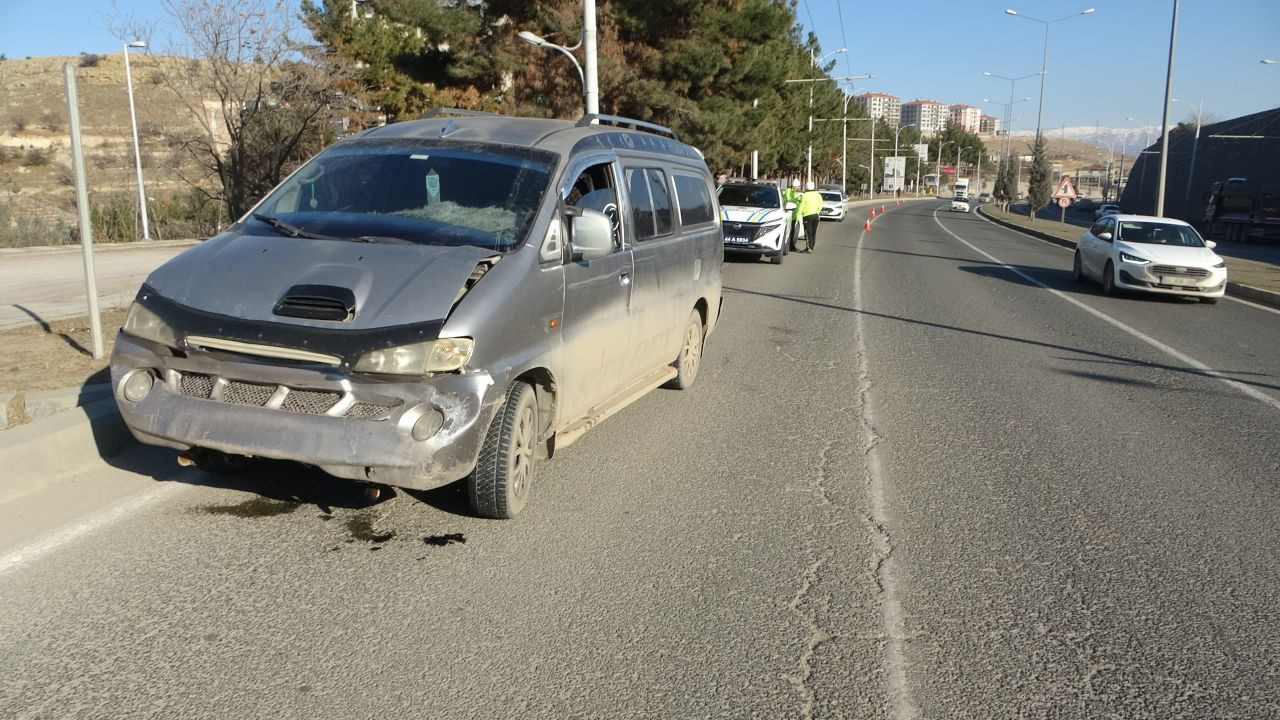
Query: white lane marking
58, 538
892, 619
1182, 357
1232, 298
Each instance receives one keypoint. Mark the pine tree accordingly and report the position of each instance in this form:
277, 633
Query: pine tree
1040, 188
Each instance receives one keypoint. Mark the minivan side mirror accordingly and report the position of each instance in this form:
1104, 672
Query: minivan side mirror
592, 235
1105, 235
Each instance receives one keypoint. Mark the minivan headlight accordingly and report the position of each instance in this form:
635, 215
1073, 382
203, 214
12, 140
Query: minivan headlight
142, 323
443, 355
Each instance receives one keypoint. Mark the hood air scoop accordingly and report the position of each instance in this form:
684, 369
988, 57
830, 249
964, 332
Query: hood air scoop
317, 302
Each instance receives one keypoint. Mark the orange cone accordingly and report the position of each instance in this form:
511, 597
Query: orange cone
866, 225
873, 214
882, 209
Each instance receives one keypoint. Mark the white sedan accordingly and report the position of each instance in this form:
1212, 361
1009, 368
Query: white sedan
960, 204
1150, 254
832, 205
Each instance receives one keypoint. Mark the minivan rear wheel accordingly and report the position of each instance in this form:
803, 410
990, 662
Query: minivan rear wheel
500, 484
690, 357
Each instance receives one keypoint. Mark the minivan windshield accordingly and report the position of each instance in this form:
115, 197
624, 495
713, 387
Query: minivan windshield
1153, 233
411, 191
758, 196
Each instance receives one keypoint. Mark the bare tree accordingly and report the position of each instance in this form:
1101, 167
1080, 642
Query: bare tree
259, 96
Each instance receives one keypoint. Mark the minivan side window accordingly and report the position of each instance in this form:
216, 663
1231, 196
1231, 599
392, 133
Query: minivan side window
593, 189
650, 203
694, 200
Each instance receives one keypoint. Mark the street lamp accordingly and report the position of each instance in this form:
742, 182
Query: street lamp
1044, 62
1269, 61
590, 80
1009, 107
809, 156
137, 149
1195, 145
937, 178
1008, 114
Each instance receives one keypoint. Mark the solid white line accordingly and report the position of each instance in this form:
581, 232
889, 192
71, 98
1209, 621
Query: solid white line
892, 619
1232, 298
1181, 357
53, 541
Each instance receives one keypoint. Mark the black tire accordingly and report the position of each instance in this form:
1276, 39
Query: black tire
1109, 280
500, 485
776, 258
690, 358
1209, 301
1077, 269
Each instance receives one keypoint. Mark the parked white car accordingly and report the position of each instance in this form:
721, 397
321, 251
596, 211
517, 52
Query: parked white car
960, 204
1150, 254
1104, 210
832, 205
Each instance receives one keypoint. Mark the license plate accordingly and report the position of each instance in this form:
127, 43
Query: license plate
1174, 280
736, 240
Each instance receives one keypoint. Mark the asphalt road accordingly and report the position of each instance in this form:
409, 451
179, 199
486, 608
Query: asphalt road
42, 286
923, 474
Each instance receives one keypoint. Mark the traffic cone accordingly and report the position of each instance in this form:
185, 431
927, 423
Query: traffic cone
866, 225
881, 209
873, 214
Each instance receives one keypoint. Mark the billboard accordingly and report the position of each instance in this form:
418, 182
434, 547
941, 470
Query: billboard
922, 151
895, 170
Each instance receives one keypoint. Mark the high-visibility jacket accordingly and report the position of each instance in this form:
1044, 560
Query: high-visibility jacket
810, 203
789, 195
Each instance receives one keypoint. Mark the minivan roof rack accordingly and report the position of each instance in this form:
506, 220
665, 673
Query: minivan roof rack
442, 111
630, 123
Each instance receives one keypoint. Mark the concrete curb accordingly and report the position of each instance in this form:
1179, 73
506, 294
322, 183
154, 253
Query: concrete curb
49, 402
63, 443
97, 247
1258, 295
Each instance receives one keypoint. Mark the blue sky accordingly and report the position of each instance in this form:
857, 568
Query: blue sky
1103, 67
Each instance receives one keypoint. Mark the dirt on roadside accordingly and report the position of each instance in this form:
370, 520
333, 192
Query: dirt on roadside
55, 355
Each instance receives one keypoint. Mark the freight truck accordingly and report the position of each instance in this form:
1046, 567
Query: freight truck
962, 188
1237, 210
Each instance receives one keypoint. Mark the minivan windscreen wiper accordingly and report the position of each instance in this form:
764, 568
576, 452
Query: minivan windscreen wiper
289, 229
388, 239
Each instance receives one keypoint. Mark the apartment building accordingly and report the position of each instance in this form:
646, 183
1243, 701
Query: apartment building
928, 115
966, 117
990, 125
882, 106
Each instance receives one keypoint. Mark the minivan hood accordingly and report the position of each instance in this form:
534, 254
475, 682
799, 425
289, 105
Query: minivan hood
244, 276
1197, 256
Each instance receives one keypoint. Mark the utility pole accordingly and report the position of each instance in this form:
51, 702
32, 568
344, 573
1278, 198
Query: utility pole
591, 80
137, 149
1164, 123
82, 206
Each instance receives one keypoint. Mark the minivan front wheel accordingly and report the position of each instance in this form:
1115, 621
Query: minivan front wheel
500, 484
690, 357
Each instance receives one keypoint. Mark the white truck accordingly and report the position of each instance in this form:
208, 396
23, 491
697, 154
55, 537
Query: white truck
962, 188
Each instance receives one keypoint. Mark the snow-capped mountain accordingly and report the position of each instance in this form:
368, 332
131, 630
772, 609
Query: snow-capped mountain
1130, 139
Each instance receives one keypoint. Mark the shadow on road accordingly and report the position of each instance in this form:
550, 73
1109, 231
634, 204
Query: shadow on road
1216, 374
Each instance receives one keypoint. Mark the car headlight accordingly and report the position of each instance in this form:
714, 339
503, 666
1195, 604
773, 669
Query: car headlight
1220, 264
1133, 259
142, 323
766, 229
443, 355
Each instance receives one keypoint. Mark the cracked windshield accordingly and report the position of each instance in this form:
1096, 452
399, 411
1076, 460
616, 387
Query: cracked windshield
806, 359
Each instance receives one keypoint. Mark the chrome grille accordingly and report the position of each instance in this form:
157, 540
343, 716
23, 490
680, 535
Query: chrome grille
242, 393
368, 410
1179, 271
196, 385
311, 402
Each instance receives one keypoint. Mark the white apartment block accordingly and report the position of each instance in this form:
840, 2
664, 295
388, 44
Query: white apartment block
966, 117
928, 115
882, 106
990, 125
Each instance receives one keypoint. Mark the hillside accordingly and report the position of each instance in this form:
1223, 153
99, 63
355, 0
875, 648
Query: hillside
36, 190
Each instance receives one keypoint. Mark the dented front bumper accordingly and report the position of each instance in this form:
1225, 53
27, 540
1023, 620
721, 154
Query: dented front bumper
351, 426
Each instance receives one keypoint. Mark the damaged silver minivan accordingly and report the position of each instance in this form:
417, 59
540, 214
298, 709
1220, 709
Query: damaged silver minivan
453, 297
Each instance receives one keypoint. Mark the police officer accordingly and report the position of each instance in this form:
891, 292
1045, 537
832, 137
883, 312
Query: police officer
810, 212
791, 195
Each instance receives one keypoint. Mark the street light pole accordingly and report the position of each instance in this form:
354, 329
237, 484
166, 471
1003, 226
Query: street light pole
937, 178
809, 155
137, 148
589, 78
1164, 122
1044, 62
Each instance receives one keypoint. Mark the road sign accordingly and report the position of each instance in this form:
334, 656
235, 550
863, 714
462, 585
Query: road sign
1064, 203
1065, 189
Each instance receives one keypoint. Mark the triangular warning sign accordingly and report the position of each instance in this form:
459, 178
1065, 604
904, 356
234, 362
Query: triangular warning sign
1065, 189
